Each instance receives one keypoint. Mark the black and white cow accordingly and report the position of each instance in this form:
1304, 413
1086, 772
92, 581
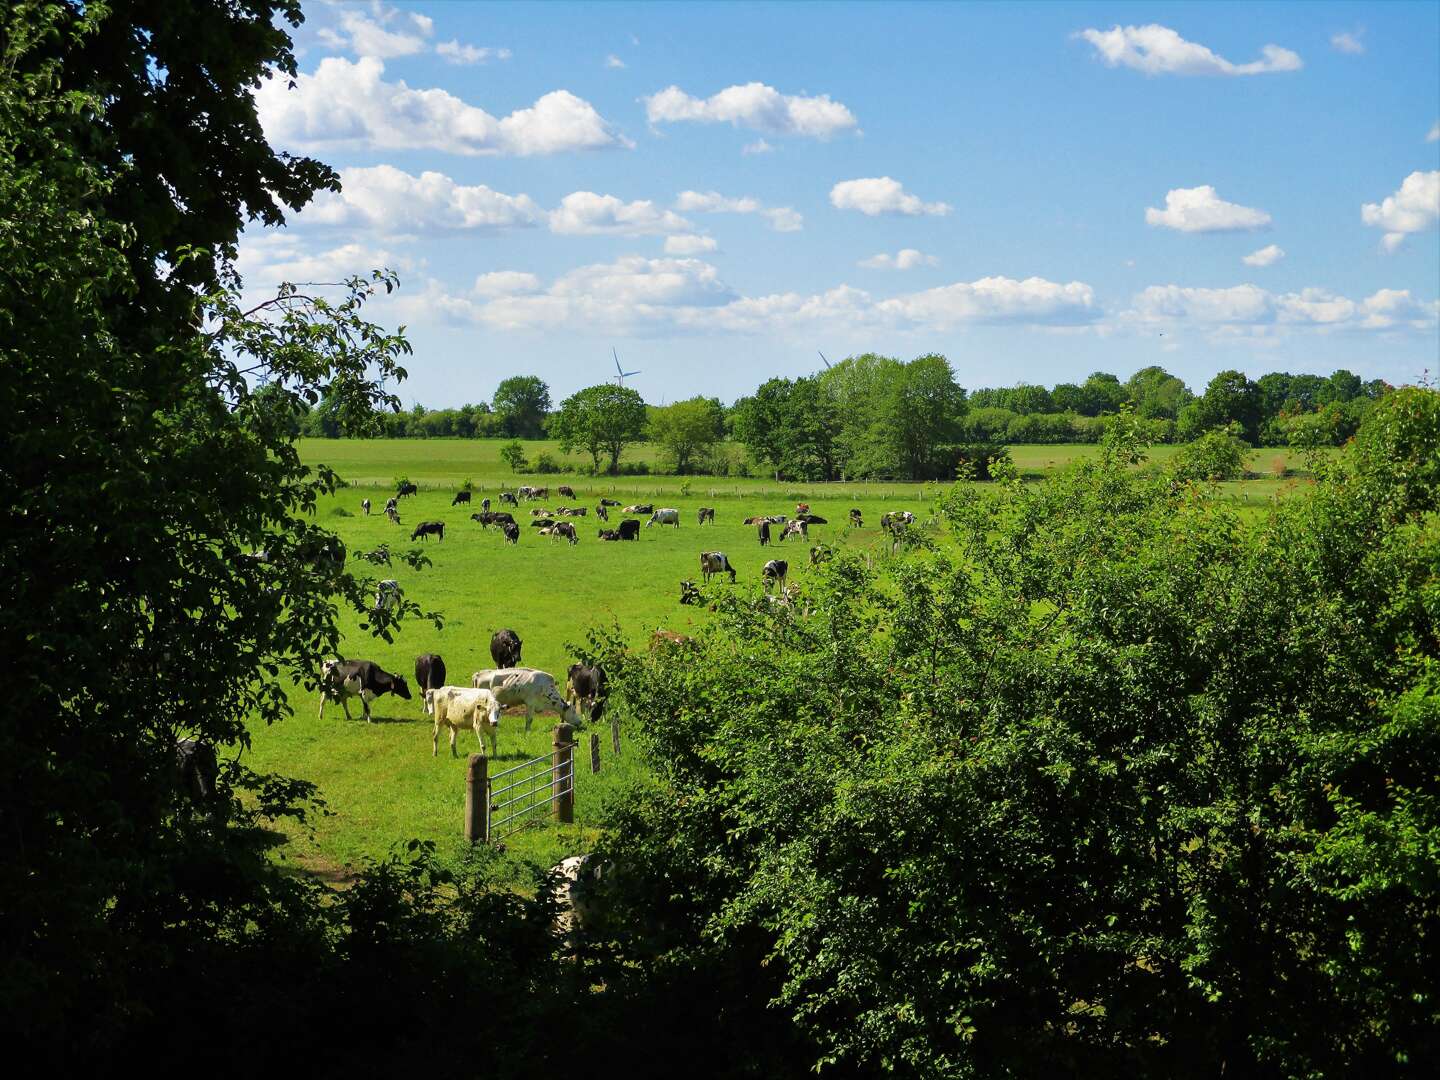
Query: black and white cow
388, 595
505, 648
798, 527
856, 519
195, 769
707, 513
762, 529
715, 562
566, 490
429, 672
460, 497
689, 593
485, 504
429, 528
602, 513
775, 571
365, 506
609, 534
567, 530
609, 502
511, 531
365, 679
639, 508
586, 688
509, 496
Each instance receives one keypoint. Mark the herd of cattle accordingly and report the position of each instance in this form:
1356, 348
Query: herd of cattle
478, 706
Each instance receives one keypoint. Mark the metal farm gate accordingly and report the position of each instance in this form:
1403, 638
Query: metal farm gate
497, 806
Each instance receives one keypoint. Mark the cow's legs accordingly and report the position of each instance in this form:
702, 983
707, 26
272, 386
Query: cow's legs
529, 716
345, 704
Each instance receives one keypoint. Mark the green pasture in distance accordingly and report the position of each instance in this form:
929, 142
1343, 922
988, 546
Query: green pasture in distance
379, 780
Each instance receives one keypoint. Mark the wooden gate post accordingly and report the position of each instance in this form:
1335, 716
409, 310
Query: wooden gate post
594, 752
477, 800
615, 735
562, 784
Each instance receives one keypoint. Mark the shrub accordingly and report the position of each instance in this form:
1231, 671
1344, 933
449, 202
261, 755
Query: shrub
546, 465
340, 511
1216, 455
977, 461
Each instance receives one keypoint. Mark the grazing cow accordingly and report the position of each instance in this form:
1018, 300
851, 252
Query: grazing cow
763, 530
821, 553
715, 562
587, 688
195, 769
493, 517
567, 530
392, 514
896, 517
774, 572
566, 490
536, 690
609, 502
509, 496
365, 679
365, 507
406, 489
456, 707
689, 594
666, 515
429, 528
391, 504
630, 529
460, 497
388, 595
666, 639
511, 531
505, 648
639, 508
856, 520
540, 493
707, 513
602, 513
429, 672
796, 528
485, 504
609, 534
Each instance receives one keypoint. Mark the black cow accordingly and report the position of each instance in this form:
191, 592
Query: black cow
763, 528
406, 489
365, 679
587, 688
486, 518
429, 528
567, 530
609, 502
460, 497
630, 529
511, 531
856, 520
812, 519
602, 513
707, 513
509, 496
505, 648
485, 504
429, 672
195, 769
566, 490
609, 534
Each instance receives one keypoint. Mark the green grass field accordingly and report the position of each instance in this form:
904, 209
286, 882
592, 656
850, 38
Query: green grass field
380, 782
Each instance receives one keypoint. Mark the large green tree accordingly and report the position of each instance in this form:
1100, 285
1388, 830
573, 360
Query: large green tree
521, 402
601, 420
687, 430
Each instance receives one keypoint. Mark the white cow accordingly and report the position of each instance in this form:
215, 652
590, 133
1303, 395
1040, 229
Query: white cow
454, 707
666, 515
534, 689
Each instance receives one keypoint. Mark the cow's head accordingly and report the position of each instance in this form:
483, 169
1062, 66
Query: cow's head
401, 689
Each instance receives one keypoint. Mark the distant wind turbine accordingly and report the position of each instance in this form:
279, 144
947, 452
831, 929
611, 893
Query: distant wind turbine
620, 376
823, 360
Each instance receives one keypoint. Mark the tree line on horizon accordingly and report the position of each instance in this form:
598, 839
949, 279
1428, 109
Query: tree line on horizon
877, 417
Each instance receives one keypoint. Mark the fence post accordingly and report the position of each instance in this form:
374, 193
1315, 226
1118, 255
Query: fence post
477, 800
594, 752
563, 763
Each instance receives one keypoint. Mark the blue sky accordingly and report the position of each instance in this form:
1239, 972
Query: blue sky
720, 190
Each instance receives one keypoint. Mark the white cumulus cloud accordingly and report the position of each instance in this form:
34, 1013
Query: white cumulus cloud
1200, 209
351, 105
904, 259
755, 106
1434, 133
266, 259
505, 283
1158, 50
584, 213
996, 300
383, 33
1251, 306
390, 200
1347, 42
453, 52
881, 195
1412, 209
613, 61
780, 218
690, 244
1271, 253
